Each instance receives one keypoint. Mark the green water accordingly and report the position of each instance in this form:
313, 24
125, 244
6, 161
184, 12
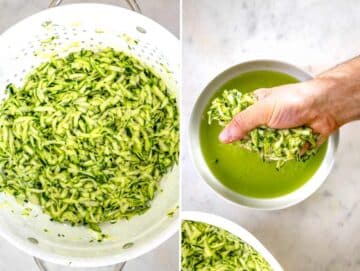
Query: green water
243, 171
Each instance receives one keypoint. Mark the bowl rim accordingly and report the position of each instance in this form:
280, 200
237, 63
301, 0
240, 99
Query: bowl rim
235, 229
274, 203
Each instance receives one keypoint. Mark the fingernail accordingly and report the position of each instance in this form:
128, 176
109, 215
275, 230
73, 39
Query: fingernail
225, 136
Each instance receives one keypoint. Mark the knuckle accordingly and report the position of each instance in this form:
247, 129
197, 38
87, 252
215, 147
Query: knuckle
238, 121
261, 93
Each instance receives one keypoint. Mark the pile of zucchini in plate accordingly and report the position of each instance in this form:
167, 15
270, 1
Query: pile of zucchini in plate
208, 248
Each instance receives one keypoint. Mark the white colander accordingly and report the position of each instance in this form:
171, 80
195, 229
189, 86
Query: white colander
89, 26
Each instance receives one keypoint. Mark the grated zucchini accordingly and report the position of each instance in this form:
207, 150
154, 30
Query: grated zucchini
208, 248
88, 137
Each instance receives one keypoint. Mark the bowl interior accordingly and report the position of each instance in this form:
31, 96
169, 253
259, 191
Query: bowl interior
235, 229
90, 26
269, 203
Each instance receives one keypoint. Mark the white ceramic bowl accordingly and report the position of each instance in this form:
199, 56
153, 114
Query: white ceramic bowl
236, 230
194, 132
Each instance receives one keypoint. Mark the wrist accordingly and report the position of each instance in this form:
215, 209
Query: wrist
337, 94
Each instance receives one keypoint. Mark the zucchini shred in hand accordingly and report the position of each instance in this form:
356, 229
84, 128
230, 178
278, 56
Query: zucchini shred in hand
88, 137
208, 248
278, 145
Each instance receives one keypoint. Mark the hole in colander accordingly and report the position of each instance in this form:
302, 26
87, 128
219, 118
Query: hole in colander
128, 245
141, 29
33, 240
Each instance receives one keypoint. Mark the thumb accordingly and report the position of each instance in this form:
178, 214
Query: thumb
252, 117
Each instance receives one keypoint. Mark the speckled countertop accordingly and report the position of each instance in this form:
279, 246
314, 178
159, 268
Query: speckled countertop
165, 12
322, 233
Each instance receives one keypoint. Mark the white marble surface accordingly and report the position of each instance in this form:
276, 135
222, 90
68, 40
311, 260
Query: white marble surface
321, 233
165, 12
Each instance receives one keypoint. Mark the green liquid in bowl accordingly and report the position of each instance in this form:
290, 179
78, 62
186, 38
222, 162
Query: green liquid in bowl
243, 171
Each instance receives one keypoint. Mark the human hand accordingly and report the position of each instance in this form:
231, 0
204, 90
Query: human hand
323, 104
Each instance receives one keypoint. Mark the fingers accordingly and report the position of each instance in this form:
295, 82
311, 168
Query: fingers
324, 127
244, 122
321, 140
304, 148
247, 120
